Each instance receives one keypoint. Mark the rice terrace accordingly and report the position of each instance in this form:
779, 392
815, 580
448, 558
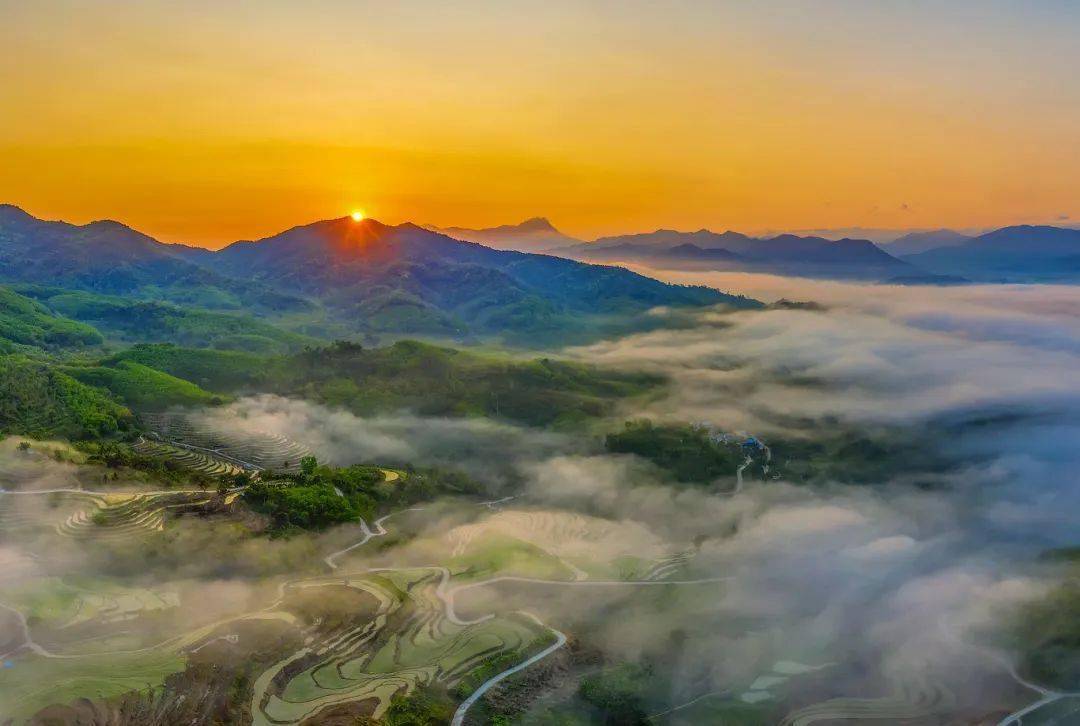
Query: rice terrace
354, 641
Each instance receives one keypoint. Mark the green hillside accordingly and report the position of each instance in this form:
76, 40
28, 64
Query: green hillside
333, 279
111, 258
687, 452
142, 387
25, 322
39, 400
214, 370
145, 321
425, 378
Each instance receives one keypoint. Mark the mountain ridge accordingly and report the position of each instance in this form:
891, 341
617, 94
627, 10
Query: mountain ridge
787, 254
1018, 253
536, 234
340, 277
354, 266
916, 242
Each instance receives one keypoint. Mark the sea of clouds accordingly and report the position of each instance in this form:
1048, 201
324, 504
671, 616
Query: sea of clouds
893, 585
899, 592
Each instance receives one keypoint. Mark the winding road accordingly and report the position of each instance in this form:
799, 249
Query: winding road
738, 474
560, 641
331, 559
1047, 696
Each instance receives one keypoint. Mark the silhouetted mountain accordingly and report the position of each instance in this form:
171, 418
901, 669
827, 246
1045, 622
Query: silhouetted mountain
532, 235
843, 253
693, 252
75, 247
668, 238
347, 276
429, 282
109, 257
786, 254
621, 252
1021, 253
927, 278
917, 242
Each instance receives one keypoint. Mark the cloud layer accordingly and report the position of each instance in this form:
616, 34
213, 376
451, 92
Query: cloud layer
889, 591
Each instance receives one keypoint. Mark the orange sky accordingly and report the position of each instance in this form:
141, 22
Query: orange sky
203, 125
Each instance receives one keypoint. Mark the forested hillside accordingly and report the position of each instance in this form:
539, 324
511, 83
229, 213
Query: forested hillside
332, 279
408, 375
39, 400
24, 322
142, 321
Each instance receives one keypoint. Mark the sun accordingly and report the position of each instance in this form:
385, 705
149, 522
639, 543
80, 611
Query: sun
357, 216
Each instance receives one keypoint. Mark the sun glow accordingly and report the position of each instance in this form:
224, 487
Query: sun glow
358, 216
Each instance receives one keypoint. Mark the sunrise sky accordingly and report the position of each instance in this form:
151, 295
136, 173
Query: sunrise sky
202, 123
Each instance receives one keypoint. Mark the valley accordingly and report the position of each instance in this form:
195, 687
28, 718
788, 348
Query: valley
714, 510
551, 363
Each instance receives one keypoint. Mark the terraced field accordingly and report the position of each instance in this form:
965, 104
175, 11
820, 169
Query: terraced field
363, 639
118, 516
360, 638
21, 515
197, 461
89, 515
395, 637
252, 452
579, 544
915, 698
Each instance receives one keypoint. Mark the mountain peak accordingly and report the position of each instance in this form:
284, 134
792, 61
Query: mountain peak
12, 213
337, 226
537, 224
537, 234
1042, 228
915, 242
110, 226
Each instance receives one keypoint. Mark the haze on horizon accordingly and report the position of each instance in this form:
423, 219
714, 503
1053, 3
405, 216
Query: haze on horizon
204, 124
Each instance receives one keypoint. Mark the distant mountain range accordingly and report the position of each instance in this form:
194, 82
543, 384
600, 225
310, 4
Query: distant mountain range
1024, 253
340, 277
916, 242
110, 258
1011, 254
532, 235
785, 254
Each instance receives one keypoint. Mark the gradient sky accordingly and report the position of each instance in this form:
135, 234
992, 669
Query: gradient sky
204, 124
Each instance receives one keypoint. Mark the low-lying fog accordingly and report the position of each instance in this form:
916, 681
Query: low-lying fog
893, 587
881, 580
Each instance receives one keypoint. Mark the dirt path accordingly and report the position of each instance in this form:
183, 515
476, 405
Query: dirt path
691, 702
494, 503
738, 474
368, 534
